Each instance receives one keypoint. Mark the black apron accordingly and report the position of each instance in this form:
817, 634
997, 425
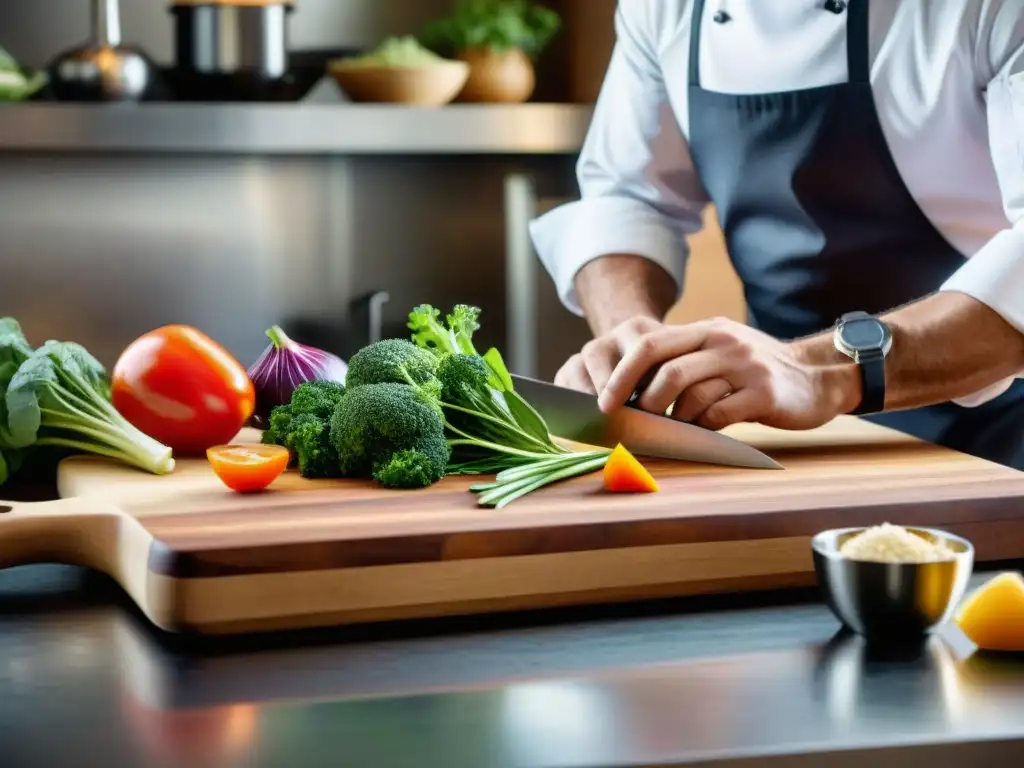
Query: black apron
818, 222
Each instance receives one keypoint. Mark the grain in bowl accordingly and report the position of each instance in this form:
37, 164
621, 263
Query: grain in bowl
889, 543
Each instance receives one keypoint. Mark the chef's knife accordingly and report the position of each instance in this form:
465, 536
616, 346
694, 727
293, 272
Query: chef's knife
576, 416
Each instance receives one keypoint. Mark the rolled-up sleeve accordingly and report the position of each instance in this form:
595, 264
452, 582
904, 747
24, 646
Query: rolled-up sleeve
995, 274
639, 190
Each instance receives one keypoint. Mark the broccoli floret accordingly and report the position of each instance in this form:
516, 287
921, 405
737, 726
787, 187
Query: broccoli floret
318, 398
310, 440
465, 393
303, 427
279, 427
459, 373
392, 361
407, 469
375, 422
457, 338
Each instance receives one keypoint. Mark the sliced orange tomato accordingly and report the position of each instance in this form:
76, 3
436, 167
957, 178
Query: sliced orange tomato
624, 474
248, 468
182, 388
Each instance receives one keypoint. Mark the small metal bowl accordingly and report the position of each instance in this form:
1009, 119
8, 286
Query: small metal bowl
892, 602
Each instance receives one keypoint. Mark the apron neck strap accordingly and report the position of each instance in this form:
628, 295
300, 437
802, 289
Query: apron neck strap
858, 43
696, 21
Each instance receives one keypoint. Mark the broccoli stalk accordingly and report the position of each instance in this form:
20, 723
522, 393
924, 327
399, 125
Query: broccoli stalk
59, 397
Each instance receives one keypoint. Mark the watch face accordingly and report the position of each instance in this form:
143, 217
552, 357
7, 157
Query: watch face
864, 334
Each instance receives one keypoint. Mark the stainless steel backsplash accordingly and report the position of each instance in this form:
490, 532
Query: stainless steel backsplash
102, 248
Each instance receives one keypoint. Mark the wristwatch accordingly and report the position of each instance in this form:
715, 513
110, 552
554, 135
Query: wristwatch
867, 341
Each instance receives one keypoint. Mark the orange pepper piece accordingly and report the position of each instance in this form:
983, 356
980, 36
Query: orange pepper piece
624, 474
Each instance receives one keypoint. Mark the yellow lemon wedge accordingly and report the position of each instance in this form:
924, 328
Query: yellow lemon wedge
993, 616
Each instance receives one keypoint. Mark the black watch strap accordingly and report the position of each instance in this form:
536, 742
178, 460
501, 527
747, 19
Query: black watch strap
872, 372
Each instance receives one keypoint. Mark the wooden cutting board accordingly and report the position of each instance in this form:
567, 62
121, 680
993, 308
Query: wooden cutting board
197, 557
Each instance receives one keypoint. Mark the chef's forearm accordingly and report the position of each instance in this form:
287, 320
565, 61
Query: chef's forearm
619, 287
945, 347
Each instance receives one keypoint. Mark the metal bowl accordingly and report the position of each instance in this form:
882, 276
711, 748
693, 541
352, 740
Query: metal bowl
892, 602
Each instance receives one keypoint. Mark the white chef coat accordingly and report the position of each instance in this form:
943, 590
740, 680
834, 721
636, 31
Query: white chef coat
948, 81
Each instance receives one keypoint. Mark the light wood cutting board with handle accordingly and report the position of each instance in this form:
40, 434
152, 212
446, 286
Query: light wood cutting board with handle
197, 557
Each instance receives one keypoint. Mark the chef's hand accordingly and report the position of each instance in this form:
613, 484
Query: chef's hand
589, 370
713, 373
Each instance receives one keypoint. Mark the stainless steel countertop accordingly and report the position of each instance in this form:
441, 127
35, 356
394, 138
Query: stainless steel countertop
303, 128
763, 681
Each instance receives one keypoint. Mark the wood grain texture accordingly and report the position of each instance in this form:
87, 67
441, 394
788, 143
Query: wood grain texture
848, 471
198, 557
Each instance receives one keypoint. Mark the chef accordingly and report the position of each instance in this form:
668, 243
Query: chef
866, 163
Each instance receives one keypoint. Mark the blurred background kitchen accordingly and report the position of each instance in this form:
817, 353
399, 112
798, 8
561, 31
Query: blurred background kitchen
224, 179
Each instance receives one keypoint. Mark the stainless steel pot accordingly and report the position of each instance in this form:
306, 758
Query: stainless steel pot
226, 39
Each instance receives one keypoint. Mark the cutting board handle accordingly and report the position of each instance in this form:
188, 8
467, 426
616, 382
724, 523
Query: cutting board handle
74, 531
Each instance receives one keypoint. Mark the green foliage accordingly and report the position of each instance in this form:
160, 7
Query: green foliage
497, 24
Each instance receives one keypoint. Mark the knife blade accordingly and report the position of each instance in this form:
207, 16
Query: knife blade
576, 416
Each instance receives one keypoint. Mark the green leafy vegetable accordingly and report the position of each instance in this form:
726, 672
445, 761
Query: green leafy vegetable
59, 395
497, 24
50, 404
14, 347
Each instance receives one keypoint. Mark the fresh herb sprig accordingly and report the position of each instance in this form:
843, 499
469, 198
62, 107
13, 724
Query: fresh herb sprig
513, 484
491, 428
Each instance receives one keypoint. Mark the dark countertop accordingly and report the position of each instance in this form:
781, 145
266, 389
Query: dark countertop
746, 680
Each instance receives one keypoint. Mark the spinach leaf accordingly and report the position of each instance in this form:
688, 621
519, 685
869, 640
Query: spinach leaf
27, 392
7, 371
78, 362
14, 347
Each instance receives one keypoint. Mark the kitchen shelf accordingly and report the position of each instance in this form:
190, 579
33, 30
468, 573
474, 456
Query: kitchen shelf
294, 129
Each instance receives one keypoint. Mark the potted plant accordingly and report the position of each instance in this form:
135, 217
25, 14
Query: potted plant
500, 40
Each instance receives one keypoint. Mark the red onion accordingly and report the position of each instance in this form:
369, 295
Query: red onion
286, 364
